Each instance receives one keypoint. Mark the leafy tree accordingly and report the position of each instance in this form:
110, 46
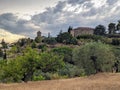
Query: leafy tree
69, 29
50, 40
21, 42
38, 39
28, 63
116, 51
94, 57
115, 41
49, 62
64, 51
4, 44
43, 47
64, 38
1, 53
118, 25
74, 41
111, 28
99, 30
71, 70
33, 45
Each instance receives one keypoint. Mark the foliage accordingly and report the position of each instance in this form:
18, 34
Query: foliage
22, 68
1, 53
38, 39
69, 29
71, 70
66, 38
33, 45
99, 30
116, 51
43, 47
94, 37
50, 40
94, 57
111, 28
115, 41
50, 62
4, 44
64, 51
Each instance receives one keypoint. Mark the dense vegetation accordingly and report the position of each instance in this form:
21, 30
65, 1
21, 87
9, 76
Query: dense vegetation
64, 56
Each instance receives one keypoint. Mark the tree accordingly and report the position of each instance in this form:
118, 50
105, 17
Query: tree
64, 51
99, 30
49, 62
4, 44
50, 40
111, 28
69, 29
118, 26
64, 38
38, 39
33, 45
94, 57
1, 53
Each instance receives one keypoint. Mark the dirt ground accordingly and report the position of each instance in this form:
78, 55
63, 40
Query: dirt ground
102, 81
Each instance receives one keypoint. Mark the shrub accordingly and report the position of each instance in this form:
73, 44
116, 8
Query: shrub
94, 57
71, 71
64, 51
50, 40
94, 37
115, 41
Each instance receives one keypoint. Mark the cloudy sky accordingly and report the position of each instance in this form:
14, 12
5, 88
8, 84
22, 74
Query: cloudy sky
23, 18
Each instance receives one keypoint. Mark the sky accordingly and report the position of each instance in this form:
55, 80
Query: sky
23, 18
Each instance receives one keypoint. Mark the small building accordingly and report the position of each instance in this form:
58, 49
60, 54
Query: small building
38, 34
82, 31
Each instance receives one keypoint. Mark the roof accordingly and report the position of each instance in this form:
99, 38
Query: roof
84, 28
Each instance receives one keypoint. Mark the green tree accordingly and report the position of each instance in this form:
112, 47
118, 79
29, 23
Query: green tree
118, 25
50, 40
33, 45
111, 28
69, 29
49, 62
4, 44
38, 39
66, 38
94, 57
1, 53
99, 30
64, 51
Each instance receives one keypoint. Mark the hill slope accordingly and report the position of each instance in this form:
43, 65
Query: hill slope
102, 81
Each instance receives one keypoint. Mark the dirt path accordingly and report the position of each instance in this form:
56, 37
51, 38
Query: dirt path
102, 81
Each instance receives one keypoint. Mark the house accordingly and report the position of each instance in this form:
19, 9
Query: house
82, 31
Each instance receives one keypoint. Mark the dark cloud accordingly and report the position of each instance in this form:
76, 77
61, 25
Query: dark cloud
74, 2
56, 18
111, 2
74, 13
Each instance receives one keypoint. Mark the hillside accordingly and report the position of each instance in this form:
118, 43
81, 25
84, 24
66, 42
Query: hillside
102, 81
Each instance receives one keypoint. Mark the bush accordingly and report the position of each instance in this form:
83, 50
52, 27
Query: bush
43, 47
64, 51
71, 71
38, 78
94, 37
50, 40
94, 57
115, 41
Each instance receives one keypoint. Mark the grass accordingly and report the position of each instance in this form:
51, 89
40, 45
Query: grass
102, 81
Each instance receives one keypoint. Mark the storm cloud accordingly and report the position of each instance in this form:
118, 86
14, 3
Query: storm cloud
66, 13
